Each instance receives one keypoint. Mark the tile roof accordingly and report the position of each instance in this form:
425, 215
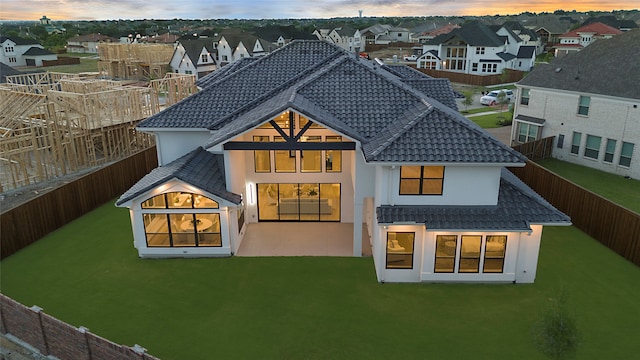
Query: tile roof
526, 52
6, 70
224, 71
598, 28
594, 70
473, 33
518, 207
36, 51
18, 40
377, 105
199, 168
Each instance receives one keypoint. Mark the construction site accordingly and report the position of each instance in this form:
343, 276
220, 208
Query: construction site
56, 124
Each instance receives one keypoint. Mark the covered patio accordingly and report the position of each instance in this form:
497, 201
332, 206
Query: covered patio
301, 239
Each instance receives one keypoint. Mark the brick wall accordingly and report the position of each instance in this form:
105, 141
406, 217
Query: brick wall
53, 337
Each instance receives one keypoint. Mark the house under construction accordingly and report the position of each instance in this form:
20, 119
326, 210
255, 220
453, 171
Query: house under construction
134, 61
53, 124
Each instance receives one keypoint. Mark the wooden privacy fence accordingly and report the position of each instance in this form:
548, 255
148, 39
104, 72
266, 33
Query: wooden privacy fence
478, 80
53, 337
25, 224
611, 224
536, 150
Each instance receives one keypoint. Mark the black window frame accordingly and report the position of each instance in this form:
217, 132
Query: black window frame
421, 181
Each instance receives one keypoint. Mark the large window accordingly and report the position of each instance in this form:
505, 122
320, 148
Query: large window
298, 202
400, 250
421, 180
575, 143
333, 158
626, 154
524, 98
592, 148
527, 132
285, 159
476, 252
310, 159
456, 58
609, 150
179, 200
583, 107
262, 158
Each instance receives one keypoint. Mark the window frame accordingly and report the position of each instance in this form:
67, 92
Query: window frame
609, 150
575, 148
590, 151
421, 180
405, 253
453, 243
584, 103
524, 96
626, 154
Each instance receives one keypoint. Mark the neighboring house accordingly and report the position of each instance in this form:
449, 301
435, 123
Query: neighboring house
279, 35
578, 39
548, 28
526, 36
194, 56
384, 34
17, 51
233, 45
478, 49
590, 101
50, 27
344, 37
431, 34
624, 25
87, 44
165, 38
292, 136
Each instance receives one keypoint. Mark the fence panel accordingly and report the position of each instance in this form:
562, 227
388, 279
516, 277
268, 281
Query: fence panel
25, 224
614, 226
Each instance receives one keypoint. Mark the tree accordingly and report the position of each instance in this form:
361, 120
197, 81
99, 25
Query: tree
468, 99
555, 334
502, 99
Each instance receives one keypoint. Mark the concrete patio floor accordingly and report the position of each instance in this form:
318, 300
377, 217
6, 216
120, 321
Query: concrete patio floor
301, 239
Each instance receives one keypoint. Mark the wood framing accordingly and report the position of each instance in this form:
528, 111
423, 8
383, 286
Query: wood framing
134, 61
53, 124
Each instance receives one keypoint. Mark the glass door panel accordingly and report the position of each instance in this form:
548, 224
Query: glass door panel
289, 201
309, 202
268, 202
329, 202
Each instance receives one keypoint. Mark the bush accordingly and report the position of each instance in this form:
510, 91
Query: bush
556, 333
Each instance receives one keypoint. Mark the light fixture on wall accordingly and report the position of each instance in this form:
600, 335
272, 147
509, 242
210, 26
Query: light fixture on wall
250, 194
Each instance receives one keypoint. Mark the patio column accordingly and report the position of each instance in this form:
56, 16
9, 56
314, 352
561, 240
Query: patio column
357, 228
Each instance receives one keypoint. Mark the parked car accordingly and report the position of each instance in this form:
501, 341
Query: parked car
492, 97
411, 58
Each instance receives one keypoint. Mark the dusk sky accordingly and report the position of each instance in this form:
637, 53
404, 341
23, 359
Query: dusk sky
59, 10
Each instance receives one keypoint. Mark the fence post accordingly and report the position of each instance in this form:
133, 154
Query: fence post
38, 310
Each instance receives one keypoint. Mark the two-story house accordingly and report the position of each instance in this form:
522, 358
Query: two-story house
17, 51
87, 44
590, 102
383, 34
194, 56
292, 137
345, 37
478, 49
578, 39
233, 45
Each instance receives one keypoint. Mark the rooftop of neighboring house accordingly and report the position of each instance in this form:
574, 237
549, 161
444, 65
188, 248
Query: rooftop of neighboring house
550, 23
273, 32
165, 38
18, 40
608, 67
597, 28
36, 51
91, 38
193, 47
441, 30
395, 114
474, 33
612, 21
6, 70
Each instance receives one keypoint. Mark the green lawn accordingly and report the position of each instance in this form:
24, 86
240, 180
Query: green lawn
616, 188
87, 64
491, 120
88, 274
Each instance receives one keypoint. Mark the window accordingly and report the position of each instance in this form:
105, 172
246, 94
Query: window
204, 58
262, 158
583, 107
284, 160
240, 218
421, 180
609, 150
310, 159
527, 132
480, 51
12, 60
445, 253
592, 148
182, 230
474, 67
470, 254
625, 155
8, 49
524, 98
333, 158
575, 143
179, 200
476, 252
490, 68
225, 57
400, 250
494, 252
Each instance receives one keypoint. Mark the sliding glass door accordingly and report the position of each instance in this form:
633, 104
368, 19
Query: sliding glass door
299, 202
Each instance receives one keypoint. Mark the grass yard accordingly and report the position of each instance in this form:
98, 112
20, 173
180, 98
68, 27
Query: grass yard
616, 188
88, 63
490, 121
88, 274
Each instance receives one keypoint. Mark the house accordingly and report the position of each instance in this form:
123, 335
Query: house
166, 38
17, 51
6, 70
590, 102
279, 35
431, 34
194, 56
381, 34
233, 45
583, 36
478, 49
548, 28
623, 25
292, 136
50, 27
344, 37
87, 44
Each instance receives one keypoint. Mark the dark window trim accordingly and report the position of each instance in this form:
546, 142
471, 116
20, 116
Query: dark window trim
406, 253
421, 182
